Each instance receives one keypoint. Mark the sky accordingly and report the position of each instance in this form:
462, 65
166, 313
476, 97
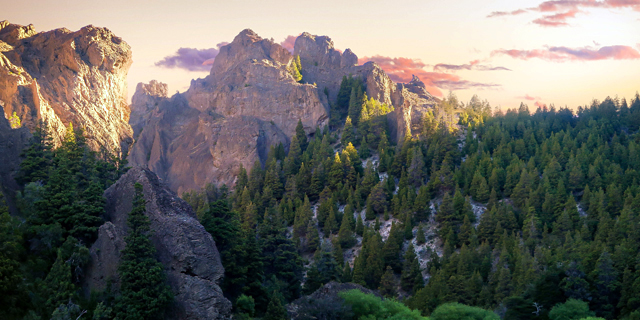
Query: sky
561, 52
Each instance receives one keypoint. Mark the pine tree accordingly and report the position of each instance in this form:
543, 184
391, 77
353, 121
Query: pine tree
144, 293
420, 236
58, 285
388, 284
411, 278
301, 135
359, 225
275, 310
345, 235
348, 135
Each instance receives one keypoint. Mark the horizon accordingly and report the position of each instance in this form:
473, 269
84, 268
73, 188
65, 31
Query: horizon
565, 53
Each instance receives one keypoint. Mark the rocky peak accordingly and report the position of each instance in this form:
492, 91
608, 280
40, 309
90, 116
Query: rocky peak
185, 249
153, 89
12, 33
64, 77
418, 87
248, 46
319, 51
144, 100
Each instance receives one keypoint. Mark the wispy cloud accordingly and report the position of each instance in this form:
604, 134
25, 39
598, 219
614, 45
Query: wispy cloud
472, 65
564, 9
506, 13
191, 59
556, 20
528, 97
403, 69
562, 54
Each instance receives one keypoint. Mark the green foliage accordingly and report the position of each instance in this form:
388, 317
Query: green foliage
275, 310
367, 306
570, 310
144, 293
457, 311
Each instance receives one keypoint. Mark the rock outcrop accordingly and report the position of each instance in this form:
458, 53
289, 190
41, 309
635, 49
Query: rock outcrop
64, 77
249, 102
146, 98
324, 65
188, 253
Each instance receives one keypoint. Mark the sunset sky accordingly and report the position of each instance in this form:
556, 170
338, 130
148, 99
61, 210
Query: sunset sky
564, 52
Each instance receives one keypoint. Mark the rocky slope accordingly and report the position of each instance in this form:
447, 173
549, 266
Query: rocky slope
187, 251
64, 77
250, 102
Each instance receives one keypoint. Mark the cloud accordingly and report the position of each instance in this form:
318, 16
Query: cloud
191, 59
562, 54
506, 13
289, 42
556, 20
528, 97
472, 65
565, 9
403, 69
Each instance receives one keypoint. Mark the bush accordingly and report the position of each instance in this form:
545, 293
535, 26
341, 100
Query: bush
367, 306
571, 310
458, 311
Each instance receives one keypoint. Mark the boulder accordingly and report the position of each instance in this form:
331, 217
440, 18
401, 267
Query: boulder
185, 249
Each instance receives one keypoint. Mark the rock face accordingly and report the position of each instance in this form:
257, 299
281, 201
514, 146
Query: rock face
324, 65
12, 141
64, 77
146, 98
248, 103
188, 253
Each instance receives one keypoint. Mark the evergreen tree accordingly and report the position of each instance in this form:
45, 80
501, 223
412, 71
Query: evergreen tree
411, 279
275, 310
144, 293
388, 284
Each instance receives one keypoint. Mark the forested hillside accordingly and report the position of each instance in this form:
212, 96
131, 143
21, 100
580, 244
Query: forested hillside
532, 210
527, 215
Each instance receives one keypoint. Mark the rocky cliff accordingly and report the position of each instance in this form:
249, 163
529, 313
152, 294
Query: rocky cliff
188, 253
64, 77
324, 65
249, 102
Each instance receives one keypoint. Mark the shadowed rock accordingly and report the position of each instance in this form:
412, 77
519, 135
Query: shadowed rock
187, 252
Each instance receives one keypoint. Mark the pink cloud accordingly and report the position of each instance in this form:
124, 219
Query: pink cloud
565, 9
562, 54
528, 97
403, 69
289, 42
556, 20
472, 65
